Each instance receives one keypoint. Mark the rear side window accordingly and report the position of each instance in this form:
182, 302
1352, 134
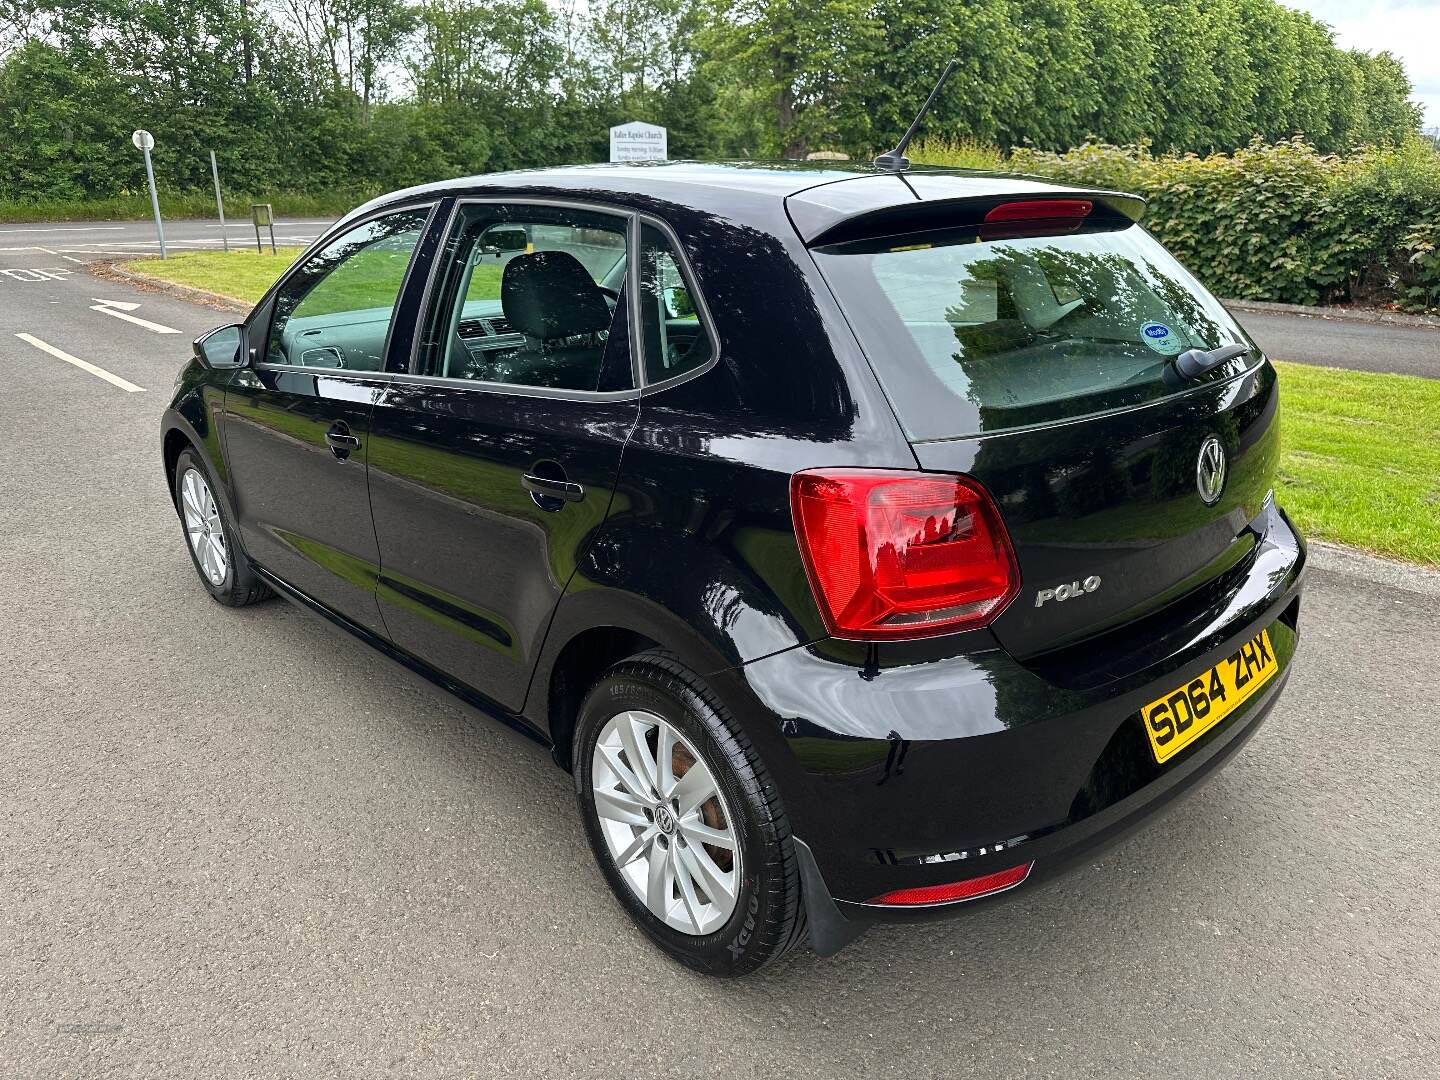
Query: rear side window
674, 336
527, 295
970, 335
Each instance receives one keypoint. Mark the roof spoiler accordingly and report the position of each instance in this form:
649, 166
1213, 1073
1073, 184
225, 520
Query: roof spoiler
886, 204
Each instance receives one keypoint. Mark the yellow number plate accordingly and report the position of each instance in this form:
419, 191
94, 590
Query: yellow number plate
1176, 720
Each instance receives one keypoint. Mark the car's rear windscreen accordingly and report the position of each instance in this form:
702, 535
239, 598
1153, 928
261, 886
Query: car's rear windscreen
971, 335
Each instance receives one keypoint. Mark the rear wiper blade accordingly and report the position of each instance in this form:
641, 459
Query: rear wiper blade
1193, 363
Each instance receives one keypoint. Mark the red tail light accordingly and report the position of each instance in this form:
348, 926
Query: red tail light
902, 554
1035, 217
970, 889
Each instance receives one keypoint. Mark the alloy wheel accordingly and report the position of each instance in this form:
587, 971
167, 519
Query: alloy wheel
203, 527
665, 822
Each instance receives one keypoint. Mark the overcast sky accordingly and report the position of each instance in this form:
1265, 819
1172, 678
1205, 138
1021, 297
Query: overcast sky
1410, 29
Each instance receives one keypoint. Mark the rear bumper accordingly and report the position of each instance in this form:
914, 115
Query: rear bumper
837, 922
928, 773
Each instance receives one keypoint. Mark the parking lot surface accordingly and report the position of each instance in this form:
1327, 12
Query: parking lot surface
238, 844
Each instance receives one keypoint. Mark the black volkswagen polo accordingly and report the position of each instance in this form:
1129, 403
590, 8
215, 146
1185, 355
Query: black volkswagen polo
866, 544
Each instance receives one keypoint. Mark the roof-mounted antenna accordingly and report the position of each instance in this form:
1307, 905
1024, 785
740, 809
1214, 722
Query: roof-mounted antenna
895, 160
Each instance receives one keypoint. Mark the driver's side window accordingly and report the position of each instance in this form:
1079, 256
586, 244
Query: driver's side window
335, 310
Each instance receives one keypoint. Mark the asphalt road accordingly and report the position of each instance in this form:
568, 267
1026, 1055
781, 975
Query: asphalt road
238, 844
1345, 343
80, 241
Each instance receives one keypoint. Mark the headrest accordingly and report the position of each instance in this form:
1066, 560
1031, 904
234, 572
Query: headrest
548, 294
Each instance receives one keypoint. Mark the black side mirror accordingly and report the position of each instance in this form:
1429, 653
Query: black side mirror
220, 348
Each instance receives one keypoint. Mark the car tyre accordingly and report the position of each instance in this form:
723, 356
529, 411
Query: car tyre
731, 935
211, 536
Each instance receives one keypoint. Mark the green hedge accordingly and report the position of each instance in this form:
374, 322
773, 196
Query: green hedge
1275, 222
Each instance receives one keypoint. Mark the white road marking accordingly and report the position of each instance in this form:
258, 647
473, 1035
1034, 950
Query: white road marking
47, 251
70, 228
72, 258
38, 273
118, 309
98, 372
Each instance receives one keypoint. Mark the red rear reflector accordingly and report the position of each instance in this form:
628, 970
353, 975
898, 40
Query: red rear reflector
895, 554
1035, 217
959, 890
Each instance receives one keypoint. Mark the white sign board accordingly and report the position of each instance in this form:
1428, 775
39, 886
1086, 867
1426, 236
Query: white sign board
143, 140
637, 141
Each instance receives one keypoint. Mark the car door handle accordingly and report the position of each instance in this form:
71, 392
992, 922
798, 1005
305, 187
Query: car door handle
342, 443
554, 489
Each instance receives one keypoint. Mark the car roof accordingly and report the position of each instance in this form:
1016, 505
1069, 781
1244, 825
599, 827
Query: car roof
817, 196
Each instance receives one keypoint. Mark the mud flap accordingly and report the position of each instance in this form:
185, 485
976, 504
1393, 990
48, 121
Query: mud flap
829, 930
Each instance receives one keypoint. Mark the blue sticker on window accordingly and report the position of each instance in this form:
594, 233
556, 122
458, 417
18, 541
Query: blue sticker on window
1160, 338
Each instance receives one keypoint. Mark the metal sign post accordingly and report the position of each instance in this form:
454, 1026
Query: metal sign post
144, 141
262, 215
219, 202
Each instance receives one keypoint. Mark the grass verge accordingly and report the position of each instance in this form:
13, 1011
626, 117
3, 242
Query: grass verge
1361, 452
240, 275
245, 275
1361, 460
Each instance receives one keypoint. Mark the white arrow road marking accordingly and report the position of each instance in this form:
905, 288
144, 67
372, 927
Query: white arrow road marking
98, 372
118, 308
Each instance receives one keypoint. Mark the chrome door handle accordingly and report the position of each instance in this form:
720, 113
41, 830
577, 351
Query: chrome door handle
341, 442
551, 488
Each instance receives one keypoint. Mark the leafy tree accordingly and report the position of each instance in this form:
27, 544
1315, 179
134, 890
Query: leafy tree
919, 37
1390, 115
1062, 90
1203, 83
802, 57
1118, 42
369, 94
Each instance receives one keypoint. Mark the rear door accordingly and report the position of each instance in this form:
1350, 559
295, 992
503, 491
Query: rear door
494, 460
298, 418
1033, 350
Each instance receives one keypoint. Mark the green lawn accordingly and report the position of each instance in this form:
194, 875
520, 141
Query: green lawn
1361, 461
1361, 452
240, 275
244, 275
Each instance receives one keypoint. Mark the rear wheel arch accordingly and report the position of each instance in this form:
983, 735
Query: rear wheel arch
581, 662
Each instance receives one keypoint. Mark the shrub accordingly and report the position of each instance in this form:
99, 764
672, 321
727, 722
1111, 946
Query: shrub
1275, 221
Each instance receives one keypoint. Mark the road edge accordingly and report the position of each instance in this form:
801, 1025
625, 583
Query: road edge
1342, 314
106, 269
1391, 573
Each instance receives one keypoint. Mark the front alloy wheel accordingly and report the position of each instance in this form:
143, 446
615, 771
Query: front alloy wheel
665, 822
211, 536
203, 527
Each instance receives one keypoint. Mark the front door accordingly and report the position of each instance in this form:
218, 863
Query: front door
298, 419
494, 462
